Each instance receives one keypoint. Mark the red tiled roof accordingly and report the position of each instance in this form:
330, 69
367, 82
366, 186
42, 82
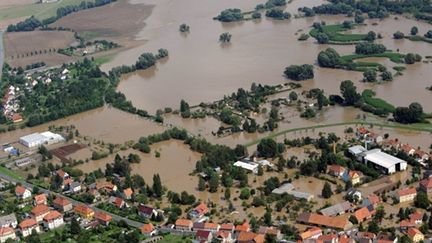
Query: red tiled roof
16, 117
354, 174
413, 232
242, 227
374, 199
310, 232
40, 209
336, 169
201, 209
103, 216
41, 198
406, 191
223, 234
202, 234
406, 224
27, 223
83, 209
147, 228
317, 219
19, 190
250, 237
128, 192
427, 183
5, 231
416, 216
61, 201
52, 215
210, 226
61, 173
362, 214
328, 237
118, 202
362, 130
183, 222
229, 227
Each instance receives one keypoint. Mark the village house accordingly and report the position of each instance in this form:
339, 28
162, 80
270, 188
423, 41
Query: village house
416, 217
270, 231
372, 199
199, 211
103, 218
386, 238
53, 220
353, 176
106, 187
406, 195
363, 214
426, 185
245, 227
66, 185
311, 233
211, 227
314, 219
198, 225
227, 227
40, 199
62, 204
336, 170
408, 149
362, 132
365, 237
64, 175
247, 237
337, 209
22, 192
7, 233
95, 193
27, 226
39, 212
148, 230
9, 220
118, 202
421, 156
224, 237
84, 211
345, 239
415, 235
183, 224
329, 238
127, 193
203, 236
406, 224
75, 187
146, 211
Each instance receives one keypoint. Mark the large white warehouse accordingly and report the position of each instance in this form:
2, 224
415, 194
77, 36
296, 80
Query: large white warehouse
37, 139
384, 162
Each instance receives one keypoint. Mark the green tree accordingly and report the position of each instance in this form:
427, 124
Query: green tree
370, 75
293, 96
349, 92
75, 228
398, 35
373, 227
225, 37
326, 191
201, 184
244, 194
414, 30
267, 148
214, 182
157, 186
421, 200
227, 193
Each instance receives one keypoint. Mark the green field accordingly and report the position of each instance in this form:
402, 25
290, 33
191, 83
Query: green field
104, 59
10, 173
418, 38
349, 62
333, 32
40, 11
368, 97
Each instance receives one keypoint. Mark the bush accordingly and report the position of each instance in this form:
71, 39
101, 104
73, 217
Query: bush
299, 72
328, 58
369, 48
230, 15
428, 34
370, 75
398, 35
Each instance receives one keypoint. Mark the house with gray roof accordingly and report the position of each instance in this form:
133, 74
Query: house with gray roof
9, 220
337, 209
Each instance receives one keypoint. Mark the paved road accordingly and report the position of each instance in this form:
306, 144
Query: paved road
74, 202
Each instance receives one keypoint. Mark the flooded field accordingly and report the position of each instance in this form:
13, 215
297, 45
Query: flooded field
259, 52
174, 154
106, 124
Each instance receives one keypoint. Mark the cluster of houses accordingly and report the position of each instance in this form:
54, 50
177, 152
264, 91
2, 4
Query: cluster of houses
409, 194
11, 105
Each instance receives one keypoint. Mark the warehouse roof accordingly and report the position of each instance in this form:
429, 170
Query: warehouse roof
384, 160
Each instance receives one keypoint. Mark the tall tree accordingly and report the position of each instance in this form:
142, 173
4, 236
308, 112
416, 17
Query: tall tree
157, 186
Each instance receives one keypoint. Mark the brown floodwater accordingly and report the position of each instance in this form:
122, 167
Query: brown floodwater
200, 69
106, 124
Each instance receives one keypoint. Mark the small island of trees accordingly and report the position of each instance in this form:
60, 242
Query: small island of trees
299, 72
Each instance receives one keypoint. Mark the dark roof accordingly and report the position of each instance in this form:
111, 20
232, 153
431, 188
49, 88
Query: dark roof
202, 234
198, 225
145, 209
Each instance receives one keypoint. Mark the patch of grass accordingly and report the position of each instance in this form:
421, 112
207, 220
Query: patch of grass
103, 59
418, 38
174, 239
348, 61
399, 68
333, 32
368, 97
10, 173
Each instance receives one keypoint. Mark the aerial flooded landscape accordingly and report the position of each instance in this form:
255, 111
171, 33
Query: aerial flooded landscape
245, 121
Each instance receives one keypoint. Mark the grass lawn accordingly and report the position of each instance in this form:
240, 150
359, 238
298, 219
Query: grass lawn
104, 59
174, 239
40, 11
368, 97
10, 173
333, 32
349, 60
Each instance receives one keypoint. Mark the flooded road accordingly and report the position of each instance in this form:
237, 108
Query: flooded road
200, 69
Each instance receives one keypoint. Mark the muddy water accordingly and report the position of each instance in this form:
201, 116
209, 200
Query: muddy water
259, 52
106, 124
174, 154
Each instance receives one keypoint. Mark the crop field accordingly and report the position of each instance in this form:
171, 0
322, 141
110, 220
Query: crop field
23, 48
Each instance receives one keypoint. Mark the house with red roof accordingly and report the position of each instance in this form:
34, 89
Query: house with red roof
148, 230
22, 192
39, 212
127, 193
103, 218
421, 156
416, 217
203, 236
311, 233
406, 195
426, 185
118, 202
40, 199
16, 117
224, 237
147, 211
227, 227
363, 214
406, 224
275, 232
84, 211
53, 220
183, 224
415, 235
62, 204
27, 226
408, 149
353, 176
7, 233
245, 227
199, 211
329, 238
248, 237
211, 227
336, 170
64, 175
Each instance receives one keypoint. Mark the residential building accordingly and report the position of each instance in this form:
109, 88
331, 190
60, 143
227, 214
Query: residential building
252, 167
148, 230
338, 222
127, 193
103, 218
183, 224
146, 211
211, 227
311, 233
384, 238
416, 217
270, 231
7, 233
9, 220
426, 185
329, 238
203, 236
250, 237
107, 187
353, 176
62, 204
199, 211
371, 200
53, 220
408, 149
366, 237
22, 192
406, 224
406, 195
64, 175
84, 211
27, 226
421, 156
415, 235
336, 170
118, 202
227, 227
224, 237
245, 227
40, 199
39, 212
363, 214
75, 187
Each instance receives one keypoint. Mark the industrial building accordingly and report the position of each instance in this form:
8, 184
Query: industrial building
37, 139
384, 162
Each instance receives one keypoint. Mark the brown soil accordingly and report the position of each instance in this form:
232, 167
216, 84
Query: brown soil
119, 22
22, 44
